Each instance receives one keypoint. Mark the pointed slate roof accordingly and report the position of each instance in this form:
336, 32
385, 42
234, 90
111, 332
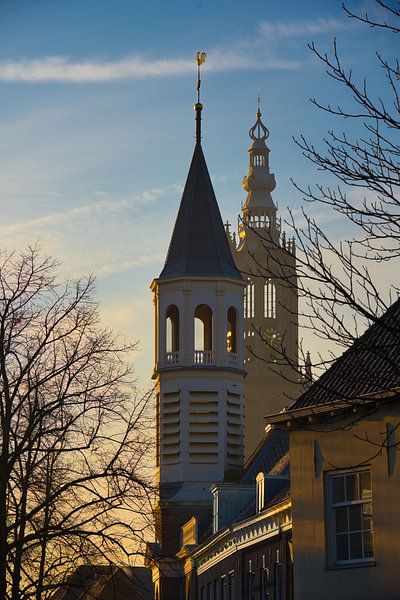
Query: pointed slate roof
199, 246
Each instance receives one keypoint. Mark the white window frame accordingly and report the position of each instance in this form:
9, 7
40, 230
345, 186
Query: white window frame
332, 507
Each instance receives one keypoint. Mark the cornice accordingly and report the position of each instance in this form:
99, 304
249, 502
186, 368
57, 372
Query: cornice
364, 403
240, 535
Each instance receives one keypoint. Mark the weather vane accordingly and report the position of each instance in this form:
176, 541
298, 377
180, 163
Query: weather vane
258, 102
200, 58
198, 107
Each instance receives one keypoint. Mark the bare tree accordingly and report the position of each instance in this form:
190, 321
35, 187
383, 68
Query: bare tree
72, 432
338, 280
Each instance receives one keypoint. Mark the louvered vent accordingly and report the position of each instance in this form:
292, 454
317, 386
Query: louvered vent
203, 427
234, 430
170, 428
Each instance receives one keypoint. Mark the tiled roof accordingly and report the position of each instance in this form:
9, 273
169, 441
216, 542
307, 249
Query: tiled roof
371, 366
283, 494
199, 245
250, 508
268, 454
282, 467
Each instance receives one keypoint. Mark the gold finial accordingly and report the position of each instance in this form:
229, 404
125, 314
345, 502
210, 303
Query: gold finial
198, 107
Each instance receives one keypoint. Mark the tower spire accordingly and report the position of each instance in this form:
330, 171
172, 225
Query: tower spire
198, 107
259, 209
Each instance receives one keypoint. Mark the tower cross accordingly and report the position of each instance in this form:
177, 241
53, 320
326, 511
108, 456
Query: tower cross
258, 102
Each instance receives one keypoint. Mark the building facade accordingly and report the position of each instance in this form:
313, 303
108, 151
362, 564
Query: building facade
345, 476
248, 552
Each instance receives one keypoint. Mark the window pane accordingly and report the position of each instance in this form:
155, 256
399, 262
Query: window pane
341, 519
365, 484
265, 584
355, 517
338, 489
342, 551
250, 586
368, 544
352, 491
367, 516
356, 545
223, 588
231, 595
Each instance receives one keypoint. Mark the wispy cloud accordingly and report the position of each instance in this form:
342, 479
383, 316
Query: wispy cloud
105, 205
63, 69
242, 54
106, 236
283, 29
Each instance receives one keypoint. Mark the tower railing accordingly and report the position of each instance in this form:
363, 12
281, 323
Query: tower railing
259, 222
200, 357
233, 359
203, 357
171, 359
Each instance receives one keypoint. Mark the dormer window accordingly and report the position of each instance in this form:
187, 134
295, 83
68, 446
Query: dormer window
215, 510
260, 492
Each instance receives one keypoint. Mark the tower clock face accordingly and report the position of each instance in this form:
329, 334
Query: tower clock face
273, 337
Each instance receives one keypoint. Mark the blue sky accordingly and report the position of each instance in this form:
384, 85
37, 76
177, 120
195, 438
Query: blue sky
96, 121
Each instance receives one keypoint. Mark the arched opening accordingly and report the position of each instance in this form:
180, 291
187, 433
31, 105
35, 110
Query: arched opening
269, 300
203, 328
258, 160
203, 339
231, 332
172, 334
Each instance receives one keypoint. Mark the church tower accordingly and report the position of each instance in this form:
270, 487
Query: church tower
266, 259
199, 372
